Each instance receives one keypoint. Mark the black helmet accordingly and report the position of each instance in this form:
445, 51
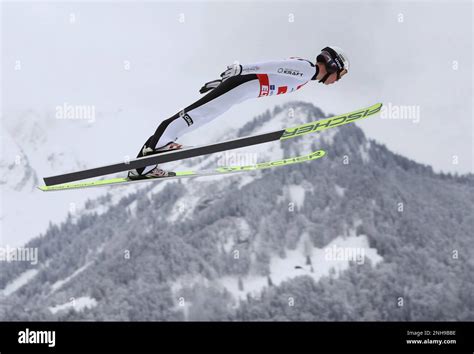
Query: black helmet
334, 60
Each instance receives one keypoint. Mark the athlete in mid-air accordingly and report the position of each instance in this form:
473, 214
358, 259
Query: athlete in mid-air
238, 83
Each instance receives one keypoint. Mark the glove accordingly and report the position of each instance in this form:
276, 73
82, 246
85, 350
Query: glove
232, 70
208, 86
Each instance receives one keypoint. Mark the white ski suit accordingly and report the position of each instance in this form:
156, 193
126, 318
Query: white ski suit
256, 80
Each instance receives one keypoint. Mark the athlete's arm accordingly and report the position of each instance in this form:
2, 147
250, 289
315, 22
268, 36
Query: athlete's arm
299, 68
294, 67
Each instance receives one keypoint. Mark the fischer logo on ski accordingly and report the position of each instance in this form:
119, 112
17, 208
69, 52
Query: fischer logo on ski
291, 160
330, 122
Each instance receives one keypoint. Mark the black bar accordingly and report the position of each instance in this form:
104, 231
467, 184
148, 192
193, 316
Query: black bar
164, 157
273, 337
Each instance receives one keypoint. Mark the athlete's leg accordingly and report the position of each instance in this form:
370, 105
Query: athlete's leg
204, 110
222, 98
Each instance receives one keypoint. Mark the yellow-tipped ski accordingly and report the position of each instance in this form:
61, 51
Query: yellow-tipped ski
184, 174
331, 122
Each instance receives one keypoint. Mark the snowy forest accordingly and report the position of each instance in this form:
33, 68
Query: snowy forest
256, 246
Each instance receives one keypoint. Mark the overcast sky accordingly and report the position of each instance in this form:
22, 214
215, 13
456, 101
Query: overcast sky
404, 53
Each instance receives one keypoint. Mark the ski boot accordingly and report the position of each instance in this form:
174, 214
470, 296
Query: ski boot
155, 172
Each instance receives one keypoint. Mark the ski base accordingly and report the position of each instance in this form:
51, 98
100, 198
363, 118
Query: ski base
186, 174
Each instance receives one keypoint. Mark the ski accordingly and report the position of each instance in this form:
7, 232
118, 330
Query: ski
284, 134
186, 174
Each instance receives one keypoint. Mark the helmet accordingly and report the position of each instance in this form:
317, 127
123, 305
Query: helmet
334, 60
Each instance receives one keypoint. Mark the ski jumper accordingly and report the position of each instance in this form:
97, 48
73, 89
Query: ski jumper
256, 80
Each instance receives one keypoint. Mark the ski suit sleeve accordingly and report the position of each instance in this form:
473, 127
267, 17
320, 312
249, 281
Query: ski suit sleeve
299, 68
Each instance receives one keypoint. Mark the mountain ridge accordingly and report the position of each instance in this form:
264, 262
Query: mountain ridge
194, 229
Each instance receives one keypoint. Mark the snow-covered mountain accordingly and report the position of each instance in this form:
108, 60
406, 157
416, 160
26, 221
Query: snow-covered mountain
26, 152
35, 145
339, 238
